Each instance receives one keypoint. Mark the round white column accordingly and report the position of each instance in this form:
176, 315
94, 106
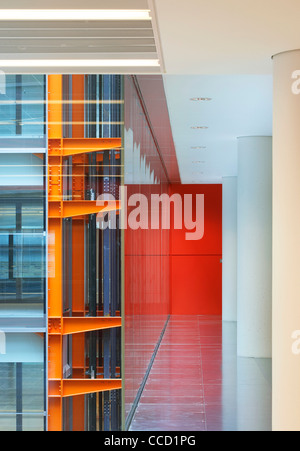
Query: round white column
286, 242
229, 258
254, 287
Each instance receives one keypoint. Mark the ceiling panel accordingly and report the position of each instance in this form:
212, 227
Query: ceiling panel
240, 105
94, 40
232, 36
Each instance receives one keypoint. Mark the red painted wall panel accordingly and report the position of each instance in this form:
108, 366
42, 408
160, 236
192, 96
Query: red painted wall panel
211, 243
196, 268
197, 285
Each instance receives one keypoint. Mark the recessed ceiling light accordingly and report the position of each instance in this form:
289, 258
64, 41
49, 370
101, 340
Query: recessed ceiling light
197, 127
198, 162
74, 14
80, 63
201, 99
198, 147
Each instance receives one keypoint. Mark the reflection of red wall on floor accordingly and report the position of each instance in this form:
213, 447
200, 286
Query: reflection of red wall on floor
196, 268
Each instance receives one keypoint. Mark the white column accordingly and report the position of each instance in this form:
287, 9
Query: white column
229, 376
229, 258
286, 242
254, 288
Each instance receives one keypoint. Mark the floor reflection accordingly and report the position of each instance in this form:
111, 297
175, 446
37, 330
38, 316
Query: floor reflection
198, 384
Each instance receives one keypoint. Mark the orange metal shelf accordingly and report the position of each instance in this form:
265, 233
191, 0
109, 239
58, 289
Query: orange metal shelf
75, 325
74, 387
73, 208
74, 146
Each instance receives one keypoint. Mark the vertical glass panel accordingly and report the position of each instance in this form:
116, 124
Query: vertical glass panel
22, 383
33, 387
21, 171
22, 268
33, 215
8, 108
104, 106
4, 260
7, 215
22, 107
33, 108
8, 422
22, 232
29, 256
33, 423
7, 388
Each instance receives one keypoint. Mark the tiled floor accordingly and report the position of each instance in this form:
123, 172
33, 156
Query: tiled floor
141, 336
198, 384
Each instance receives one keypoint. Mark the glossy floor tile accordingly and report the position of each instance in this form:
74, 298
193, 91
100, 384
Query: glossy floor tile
142, 333
197, 383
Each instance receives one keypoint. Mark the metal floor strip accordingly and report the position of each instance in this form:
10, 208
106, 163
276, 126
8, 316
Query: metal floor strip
135, 404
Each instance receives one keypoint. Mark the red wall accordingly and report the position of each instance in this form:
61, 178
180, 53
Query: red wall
196, 268
147, 286
147, 261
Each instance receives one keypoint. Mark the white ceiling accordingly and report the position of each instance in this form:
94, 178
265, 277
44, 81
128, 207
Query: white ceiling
225, 36
241, 105
221, 49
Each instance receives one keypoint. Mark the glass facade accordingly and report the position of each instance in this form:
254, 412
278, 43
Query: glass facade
23, 254
22, 249
22, 112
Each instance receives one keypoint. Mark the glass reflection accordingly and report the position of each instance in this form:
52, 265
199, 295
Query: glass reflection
22, 107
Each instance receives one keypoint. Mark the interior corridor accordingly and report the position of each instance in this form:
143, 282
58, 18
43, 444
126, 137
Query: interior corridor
197, 383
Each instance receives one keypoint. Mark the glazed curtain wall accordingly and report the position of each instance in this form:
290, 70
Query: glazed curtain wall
22, 254
196, 267
147, 289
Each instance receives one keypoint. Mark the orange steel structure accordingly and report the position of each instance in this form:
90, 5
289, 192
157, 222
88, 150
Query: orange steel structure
58, 325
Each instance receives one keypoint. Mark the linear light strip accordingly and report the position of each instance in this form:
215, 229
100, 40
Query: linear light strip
60, 102
53, 165
74, 14
66, 175
79, 63
29, 122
